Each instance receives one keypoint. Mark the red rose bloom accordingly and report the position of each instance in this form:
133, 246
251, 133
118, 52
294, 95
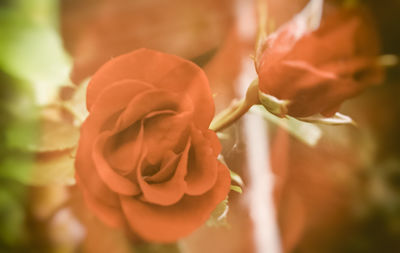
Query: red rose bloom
146, 159
318, 71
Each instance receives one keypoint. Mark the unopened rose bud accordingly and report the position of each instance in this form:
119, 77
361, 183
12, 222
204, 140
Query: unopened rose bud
316, 72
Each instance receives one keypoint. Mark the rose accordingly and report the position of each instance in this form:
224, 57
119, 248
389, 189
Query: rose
316, 72
146, 159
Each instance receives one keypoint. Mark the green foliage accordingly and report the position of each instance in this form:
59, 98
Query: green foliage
236, 178
33, 65
218, 216
18, 128
307, 133
31, 49
236, 188
12, 216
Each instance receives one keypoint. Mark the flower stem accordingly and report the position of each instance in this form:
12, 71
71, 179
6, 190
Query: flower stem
234, 112
155, 248
229, 115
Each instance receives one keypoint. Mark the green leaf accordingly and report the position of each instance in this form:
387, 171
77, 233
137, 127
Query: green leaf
274, 105
307, 133
19, 115
236, 178
20, 134
337, 119
18, 129
236, 188
31, 48
16, 166
47, 169
218, 216
12, 222
33, 65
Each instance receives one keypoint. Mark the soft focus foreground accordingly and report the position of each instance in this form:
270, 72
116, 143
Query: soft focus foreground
341, 194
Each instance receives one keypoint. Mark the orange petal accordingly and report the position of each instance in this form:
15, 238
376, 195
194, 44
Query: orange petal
149, 102
87, 174
202, 167
111, 215
191, 80
171, 191
166, 132
113, 99
167, 224
124, 149
167, 168
214, 141
162, 70
114, 181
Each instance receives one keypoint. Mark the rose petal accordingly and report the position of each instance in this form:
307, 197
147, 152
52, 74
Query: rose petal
192, 81
161, 70
167, 168
214, 141
313, 90
87, 174
168, 223
300, 71
114, 181
111, 101
114, 99
149, 102
284, 80
166, 132
325, 44
310, 69
171, 191
111, 215
202, 167
331, 111
325, 96
124, 149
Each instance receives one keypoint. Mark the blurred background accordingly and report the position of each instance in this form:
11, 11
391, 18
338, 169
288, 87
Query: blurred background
340, 195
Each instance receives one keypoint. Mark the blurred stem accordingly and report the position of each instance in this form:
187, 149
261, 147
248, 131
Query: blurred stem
157, 248
261, 30
234, 112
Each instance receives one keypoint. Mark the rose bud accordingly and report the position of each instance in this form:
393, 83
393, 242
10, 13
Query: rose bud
310, 72
146, 159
